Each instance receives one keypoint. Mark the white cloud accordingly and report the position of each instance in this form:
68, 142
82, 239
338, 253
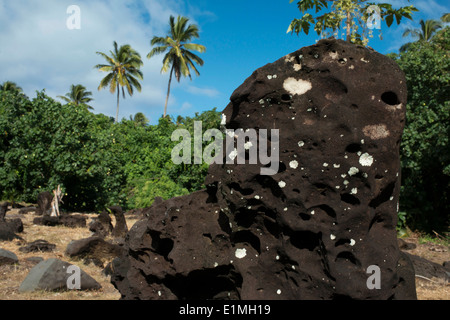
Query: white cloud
41, 52
209, 92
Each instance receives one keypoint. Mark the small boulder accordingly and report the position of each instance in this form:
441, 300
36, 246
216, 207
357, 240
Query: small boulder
6, 234
38, 246
44, 202
69, 221
93, 248
27, 210
16, 224
102, 225
429, 269
7, 257
52, 275
73, 221
3, 209
121, 228
34, 260
403, 245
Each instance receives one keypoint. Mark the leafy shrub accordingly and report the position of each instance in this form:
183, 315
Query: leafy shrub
98, 163
425, 149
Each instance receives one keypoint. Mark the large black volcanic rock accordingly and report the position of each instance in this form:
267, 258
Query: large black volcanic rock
310, 231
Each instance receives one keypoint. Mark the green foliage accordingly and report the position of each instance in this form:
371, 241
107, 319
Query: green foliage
350, 15
97, 162
425, 148
44, 143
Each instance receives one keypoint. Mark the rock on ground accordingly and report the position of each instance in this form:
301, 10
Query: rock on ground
315, 228
52, 275
93, 248
38, 246
7, 257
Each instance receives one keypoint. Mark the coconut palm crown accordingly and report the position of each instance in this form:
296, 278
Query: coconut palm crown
123, 67
177, 48
78, 95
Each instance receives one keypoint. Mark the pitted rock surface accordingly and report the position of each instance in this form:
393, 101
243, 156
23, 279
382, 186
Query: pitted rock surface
311, 230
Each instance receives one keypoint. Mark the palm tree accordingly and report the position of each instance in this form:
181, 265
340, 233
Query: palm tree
445, 18
427, 30
78, 95
123, 71
139, 119
178, 58
11, 87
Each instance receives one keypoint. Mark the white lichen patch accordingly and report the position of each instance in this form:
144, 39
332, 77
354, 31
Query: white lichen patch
293, 164
257, 197
354, 191
351, 67
332, 236
343, 175
261, 101
233, 154
352, 242
285, 209
353, 171
297, 67
301, 144
364, 60
248, 145
313, 212
289, 58
298, 87
278, 291
366, 160
282, 184
325, 164
224, 120
333, 55
336, 166
240, 253
376, 132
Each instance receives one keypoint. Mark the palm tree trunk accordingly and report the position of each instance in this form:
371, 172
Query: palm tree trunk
168, 92
117, 111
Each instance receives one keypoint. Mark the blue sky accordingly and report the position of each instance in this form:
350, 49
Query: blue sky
38, 51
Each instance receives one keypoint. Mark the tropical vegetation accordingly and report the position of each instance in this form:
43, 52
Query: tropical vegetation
352, 16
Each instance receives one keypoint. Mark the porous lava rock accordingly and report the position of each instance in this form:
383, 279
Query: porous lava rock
67, 220
9, 227
120, 228
44, 201
317, 227
102, 225
38, 246
93, 248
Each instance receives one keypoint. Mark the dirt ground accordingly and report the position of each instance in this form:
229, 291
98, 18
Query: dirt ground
12, 276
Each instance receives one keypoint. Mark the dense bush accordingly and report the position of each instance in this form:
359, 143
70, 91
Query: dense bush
97, 163
425, 149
